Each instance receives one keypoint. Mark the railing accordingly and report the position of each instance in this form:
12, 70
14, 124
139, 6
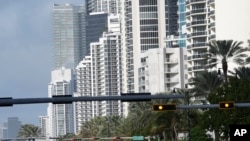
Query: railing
198, 67
198, 22
198, 1
197, 45
198, 11
211, 25
198, 33
212, 37
211, 13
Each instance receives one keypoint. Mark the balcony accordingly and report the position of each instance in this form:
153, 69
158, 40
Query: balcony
198, 68
211, 13
171, 80
171, 61
199, 34
198, 11
212, 37
197, 1
197, 56
171, 70
197, 45
211, 1
212, 25
200, 22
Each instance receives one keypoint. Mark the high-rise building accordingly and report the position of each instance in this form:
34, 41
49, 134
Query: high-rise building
107, 6
145, 25
10, 128
44, 125
96, 24
99, 74
206, 21
61, 116
69, 35
198, 35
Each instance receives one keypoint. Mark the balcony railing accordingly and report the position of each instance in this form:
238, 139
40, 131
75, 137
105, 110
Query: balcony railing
200, 44
211, 13
197, 1
198, 67
199, 33
211, 25
197, 45
198, 11
199, 22
211, 1
211, 37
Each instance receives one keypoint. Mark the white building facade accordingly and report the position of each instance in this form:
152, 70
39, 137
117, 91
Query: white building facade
100, 74
162, 70
44, 126
208, 20
145, 25
61, 116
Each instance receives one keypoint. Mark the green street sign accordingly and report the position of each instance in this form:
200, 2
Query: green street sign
138, 138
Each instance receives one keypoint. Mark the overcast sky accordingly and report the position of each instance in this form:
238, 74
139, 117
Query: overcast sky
26, 54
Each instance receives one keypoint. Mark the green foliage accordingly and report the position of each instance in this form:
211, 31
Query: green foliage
219, 120
29, 130
199, 134
143, 121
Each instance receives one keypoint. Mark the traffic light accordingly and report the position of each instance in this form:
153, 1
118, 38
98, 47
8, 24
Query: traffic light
226, 105
164, 107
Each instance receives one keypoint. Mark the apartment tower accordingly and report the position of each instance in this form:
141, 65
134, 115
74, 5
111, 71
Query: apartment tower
99, 74
145, 25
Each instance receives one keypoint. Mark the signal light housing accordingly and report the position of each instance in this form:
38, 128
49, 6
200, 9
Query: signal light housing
164, 107
226, 105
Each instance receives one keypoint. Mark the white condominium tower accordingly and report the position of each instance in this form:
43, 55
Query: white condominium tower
208, 20
145, 25
99, 74
61, 120
69, 35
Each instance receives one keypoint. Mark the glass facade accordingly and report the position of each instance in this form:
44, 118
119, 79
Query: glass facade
148, 24
68, 33
182, 22
95, 26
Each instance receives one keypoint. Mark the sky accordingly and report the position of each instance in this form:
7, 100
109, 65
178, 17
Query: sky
26, 55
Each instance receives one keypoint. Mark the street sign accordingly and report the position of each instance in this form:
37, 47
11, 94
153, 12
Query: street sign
138, 138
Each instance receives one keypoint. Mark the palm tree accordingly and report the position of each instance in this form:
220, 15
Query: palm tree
225, 50
204, 83
242, 73
29, 130
139, 117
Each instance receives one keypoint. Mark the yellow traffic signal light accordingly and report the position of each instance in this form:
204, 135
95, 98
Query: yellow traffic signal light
226, 105
164, 107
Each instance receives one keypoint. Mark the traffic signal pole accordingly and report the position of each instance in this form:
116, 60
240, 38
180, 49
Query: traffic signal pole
9, 101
